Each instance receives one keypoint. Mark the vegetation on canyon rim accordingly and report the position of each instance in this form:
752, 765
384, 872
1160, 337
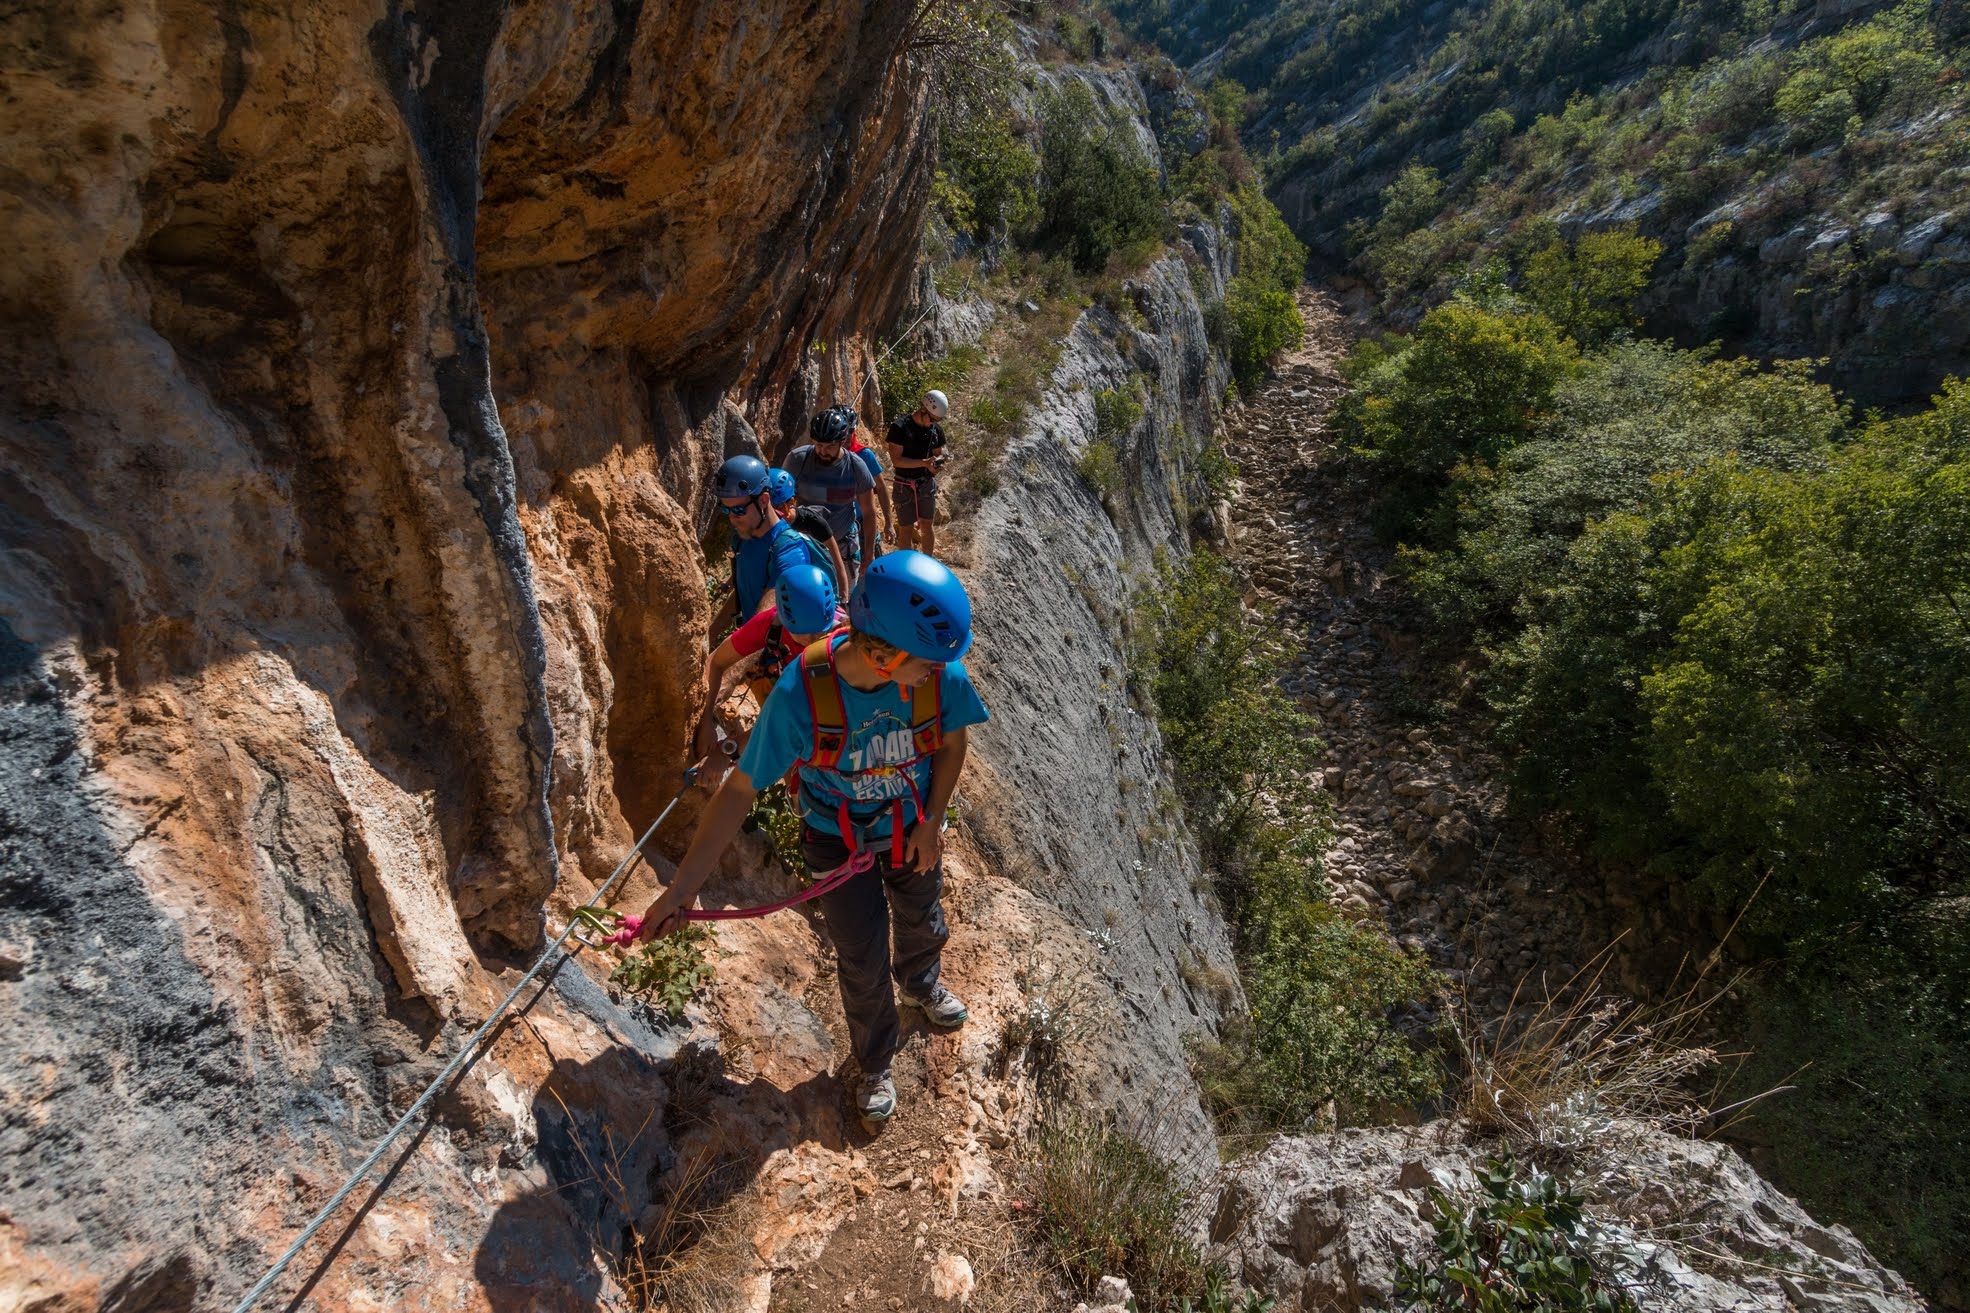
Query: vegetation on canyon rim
1718, 615
1724, 632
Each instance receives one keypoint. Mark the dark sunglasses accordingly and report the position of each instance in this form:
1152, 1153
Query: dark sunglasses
736, 511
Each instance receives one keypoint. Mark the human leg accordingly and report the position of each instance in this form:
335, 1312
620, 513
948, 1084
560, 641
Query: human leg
916, 917
904, 496
858, 922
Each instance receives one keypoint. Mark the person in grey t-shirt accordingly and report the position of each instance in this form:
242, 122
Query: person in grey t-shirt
826, 476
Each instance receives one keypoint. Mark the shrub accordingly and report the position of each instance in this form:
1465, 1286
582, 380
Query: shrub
987, 179
904, 379
1265, 250
1411, 201
1323, 993
1116, 413
1629, 415
1106, 1204
777, 816
1869, 1030
1589, 289
667, 972
1469, 386
1100, 468
1218, 469
1810, 720
1323, 990
1523, 1246
1257, 325
1233, 737
1096, 192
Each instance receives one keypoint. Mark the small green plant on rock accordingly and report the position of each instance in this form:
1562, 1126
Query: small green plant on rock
1100, 467
1524, 1246
669, 972
776, 816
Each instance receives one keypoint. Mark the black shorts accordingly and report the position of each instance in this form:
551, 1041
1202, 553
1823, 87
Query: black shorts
916, 499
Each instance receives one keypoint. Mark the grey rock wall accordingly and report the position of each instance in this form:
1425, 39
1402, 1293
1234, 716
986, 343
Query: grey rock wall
1080, 806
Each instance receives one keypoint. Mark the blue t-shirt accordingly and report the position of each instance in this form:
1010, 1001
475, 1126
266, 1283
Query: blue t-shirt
757, 563
873, 461
879, 741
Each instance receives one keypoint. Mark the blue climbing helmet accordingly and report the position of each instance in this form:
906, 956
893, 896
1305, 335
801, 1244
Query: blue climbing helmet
913, 602
740, 476
806, 600
780, 484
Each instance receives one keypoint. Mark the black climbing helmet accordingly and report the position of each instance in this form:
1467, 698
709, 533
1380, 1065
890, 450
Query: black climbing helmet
740, 476
835, 424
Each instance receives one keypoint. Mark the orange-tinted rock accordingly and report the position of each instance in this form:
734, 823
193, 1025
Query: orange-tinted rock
363, 367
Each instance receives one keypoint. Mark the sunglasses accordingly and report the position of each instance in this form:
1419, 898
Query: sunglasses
736, 511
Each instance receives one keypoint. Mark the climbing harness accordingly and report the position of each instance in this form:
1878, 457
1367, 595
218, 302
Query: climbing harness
828, 710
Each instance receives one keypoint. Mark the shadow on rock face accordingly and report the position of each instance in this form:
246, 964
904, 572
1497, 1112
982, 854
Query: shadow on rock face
129, 1113
644, 1175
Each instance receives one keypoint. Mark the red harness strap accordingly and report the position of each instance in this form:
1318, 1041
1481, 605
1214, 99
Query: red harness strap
828, 709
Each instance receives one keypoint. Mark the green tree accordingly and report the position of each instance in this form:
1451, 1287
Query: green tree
1589, 288
987, 179
1810, 722
1466, 388
1630, 415
1097, 193
1259, 316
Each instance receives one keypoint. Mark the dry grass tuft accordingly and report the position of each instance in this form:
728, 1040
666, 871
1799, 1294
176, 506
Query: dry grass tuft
1563, 1070
689, 1250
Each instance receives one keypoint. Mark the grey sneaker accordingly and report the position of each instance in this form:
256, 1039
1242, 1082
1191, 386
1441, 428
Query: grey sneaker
875, 1096
942, 1008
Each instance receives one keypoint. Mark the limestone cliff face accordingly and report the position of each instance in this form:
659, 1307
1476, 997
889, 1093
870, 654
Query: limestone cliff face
362, 368
1078, 805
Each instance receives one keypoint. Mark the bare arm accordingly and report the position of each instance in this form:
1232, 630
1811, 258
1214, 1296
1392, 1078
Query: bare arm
926, 847
841, 569
867, 525
706, 738
888, 517
723, 816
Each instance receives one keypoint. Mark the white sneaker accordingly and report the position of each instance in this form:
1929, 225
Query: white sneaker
875, 1097
942, 1008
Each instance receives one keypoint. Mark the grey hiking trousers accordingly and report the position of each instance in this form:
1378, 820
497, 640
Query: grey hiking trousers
863, 915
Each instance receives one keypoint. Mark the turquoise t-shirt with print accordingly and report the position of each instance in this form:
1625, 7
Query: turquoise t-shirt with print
874, 770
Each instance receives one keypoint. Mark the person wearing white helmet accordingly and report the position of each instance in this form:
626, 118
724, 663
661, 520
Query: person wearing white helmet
916, 450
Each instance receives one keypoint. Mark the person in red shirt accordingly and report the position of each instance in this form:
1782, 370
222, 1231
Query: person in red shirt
805, 608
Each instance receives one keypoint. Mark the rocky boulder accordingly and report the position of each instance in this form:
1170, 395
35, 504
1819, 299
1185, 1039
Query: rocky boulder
364, 366
1322, 1222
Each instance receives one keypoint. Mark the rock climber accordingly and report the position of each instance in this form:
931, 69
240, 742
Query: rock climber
863, 452
808, 520
876, 718
764, 545
916, 450
806, 606
827, 477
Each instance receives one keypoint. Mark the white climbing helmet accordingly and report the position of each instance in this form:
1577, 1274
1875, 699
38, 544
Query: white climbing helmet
936, 403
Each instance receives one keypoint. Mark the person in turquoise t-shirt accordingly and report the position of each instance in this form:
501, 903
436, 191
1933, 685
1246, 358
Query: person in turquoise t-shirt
894, 707
763, 544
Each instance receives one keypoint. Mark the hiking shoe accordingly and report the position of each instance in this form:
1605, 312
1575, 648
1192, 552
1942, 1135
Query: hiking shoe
875, 1097
942, 1008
